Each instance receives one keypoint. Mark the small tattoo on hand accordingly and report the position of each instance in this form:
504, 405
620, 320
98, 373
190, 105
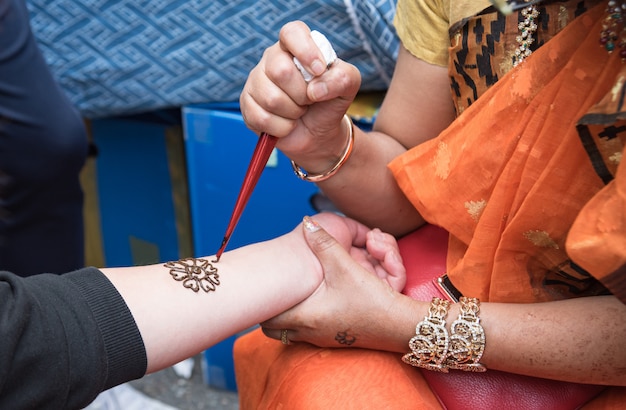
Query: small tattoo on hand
344, 338
195, 274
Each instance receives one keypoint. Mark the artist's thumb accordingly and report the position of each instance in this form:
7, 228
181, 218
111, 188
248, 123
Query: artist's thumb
329, 252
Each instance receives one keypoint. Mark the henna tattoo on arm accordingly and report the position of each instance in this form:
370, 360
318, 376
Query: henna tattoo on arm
195, 274
343, 338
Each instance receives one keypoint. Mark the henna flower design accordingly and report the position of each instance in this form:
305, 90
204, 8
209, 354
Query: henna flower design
195, 274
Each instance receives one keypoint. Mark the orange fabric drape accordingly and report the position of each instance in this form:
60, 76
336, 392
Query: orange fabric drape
271, 375
510, 175
597, 241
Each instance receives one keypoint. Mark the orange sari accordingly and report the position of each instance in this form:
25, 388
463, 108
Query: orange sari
508, 180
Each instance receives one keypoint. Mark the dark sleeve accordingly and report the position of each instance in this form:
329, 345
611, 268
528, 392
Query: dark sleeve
64, 339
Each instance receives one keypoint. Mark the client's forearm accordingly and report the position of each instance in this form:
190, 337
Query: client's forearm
248, 285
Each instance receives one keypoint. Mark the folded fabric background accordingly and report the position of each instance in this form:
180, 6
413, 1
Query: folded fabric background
117, 57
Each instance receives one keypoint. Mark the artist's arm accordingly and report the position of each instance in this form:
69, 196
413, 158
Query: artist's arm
307, 119
578, 340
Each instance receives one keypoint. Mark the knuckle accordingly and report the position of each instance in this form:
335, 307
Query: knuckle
347, 80
281, 71
262, 120
256, 120
324, 242
273, 100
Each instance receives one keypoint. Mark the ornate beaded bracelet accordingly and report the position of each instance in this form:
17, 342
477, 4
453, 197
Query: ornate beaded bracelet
467, 339
432, 348
429, 346
305, 176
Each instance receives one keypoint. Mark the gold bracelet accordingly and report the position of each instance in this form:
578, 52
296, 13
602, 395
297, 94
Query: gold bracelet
467, 339
305, 176
429, 346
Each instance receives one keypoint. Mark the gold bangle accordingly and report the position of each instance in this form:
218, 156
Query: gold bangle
467, 339
429, 346
305, 176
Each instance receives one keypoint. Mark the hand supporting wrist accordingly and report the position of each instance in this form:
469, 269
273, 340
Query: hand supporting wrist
322, 176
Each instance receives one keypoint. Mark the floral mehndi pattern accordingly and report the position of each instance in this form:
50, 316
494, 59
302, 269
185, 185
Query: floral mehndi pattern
195, 274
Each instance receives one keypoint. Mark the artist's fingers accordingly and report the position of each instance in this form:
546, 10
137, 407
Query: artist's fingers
274, 94
295, 38
326, 248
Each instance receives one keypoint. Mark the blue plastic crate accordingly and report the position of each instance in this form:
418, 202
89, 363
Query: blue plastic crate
136, 202
219, 147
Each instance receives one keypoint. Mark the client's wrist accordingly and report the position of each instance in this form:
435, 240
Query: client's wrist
305, 263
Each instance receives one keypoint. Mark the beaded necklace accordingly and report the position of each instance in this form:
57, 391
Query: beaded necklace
527, 28
612, 36
613, 31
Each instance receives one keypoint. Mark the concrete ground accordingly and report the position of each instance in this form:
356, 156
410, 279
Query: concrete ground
176, 388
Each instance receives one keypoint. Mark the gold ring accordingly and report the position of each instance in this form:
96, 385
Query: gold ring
283, 337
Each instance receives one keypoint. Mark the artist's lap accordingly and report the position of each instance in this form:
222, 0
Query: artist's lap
300, 376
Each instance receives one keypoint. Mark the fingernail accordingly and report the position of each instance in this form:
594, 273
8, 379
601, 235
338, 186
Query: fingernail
318, 67
319, 91
310, 224
377, 235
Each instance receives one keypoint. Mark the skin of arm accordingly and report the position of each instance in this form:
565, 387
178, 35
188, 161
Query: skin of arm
577, 340
256, 282
307, 119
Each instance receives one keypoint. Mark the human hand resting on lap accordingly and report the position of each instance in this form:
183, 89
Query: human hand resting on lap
351, 305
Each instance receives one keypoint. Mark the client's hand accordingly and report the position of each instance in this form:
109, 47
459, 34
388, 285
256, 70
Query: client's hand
373, 249
351, 306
